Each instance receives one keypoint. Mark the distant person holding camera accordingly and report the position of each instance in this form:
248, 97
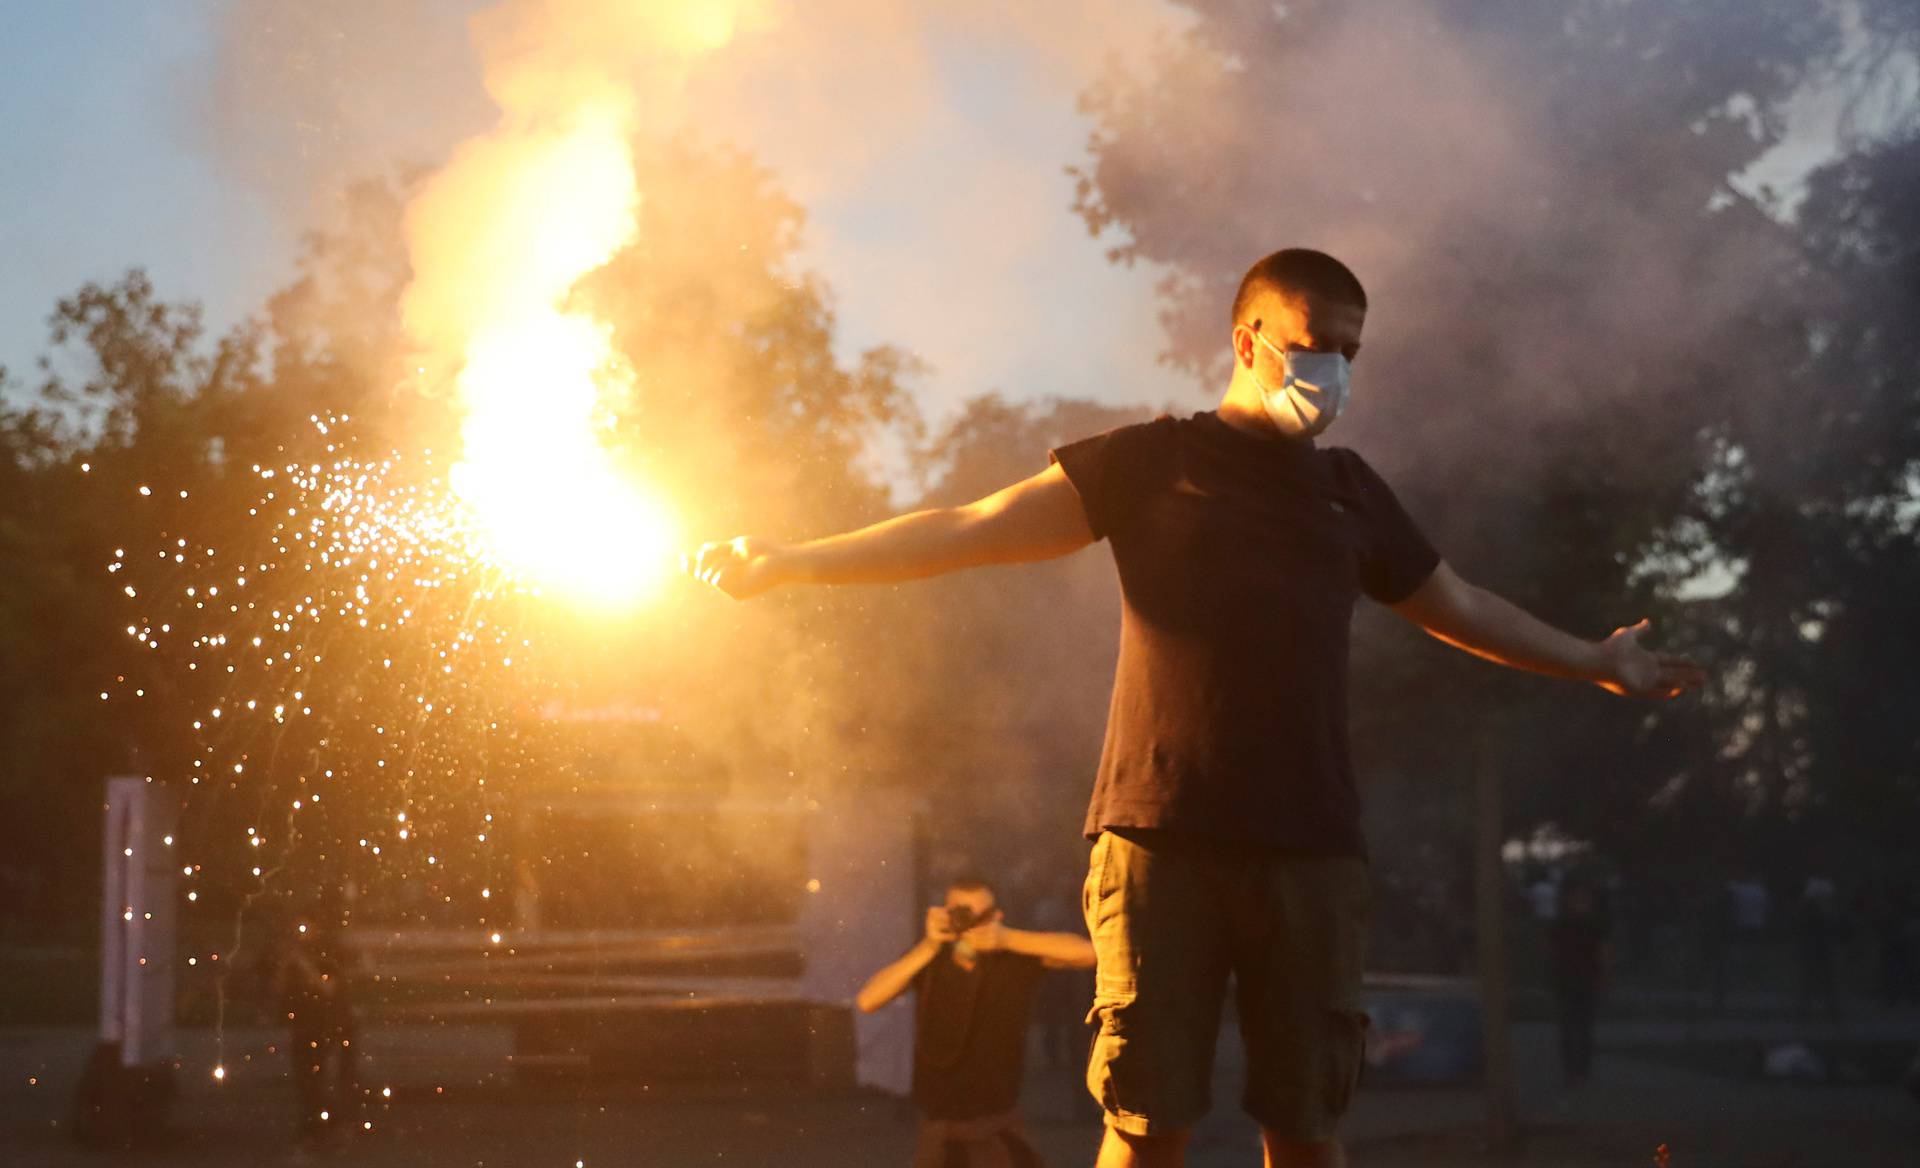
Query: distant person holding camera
976, 979
315, 980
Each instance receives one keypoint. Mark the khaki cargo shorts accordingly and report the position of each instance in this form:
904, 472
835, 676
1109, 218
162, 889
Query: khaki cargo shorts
1170, 918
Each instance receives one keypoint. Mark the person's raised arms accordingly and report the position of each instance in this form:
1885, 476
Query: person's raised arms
894, 978
1035, 519
1055, 950
1470, 617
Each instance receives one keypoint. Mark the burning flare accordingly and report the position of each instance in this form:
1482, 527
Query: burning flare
499, 237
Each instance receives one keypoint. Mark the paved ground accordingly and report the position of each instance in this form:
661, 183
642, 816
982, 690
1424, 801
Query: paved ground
450, 1107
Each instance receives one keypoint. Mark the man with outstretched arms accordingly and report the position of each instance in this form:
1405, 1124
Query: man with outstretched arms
1225, 819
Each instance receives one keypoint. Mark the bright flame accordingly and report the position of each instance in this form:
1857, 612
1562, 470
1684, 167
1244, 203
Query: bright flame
543, 487
536, 475
499, 239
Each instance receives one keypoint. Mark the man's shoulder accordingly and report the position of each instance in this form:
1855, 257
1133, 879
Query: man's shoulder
1157, 428
1158, 425
1342, 458
1348, 467
1113, 469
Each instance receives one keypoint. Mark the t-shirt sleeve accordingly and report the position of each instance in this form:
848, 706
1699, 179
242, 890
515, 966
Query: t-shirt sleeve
1113, 472
1399, 557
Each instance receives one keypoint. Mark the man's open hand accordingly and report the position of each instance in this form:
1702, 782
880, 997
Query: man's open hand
1632, 670
741, 567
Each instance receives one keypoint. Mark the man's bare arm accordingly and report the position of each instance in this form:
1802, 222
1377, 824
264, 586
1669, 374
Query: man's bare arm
1055, 950
894, 978
1470, 617
1036, 519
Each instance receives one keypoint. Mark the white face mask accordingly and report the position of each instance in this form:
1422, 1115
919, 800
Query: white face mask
1313, 394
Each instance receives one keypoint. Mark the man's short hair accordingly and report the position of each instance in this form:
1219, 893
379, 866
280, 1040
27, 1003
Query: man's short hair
1313, 276
972, 884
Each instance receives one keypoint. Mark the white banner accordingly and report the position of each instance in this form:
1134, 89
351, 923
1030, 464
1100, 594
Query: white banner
137, 920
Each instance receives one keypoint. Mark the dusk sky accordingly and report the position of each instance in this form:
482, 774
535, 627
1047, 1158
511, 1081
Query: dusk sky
113, 161
103, 172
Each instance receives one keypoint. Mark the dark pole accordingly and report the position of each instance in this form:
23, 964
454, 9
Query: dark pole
1491, 934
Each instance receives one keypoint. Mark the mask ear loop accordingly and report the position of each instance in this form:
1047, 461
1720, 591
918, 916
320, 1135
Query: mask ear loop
1286, 367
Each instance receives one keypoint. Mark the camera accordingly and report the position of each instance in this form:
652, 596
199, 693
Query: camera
961, 917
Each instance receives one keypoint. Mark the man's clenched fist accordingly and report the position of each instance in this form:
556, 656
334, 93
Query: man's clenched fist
740, 567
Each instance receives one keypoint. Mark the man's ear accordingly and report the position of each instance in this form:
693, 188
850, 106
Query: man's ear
1243, 344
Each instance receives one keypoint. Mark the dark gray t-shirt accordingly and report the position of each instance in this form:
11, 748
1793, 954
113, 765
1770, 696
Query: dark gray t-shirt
1240, 558
970, 1033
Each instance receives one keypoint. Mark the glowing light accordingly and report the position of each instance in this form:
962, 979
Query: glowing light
544, 489
499, 239
397, 556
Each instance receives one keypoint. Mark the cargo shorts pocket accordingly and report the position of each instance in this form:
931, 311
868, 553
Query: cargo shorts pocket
1346, 1055
1098, 903
1120, 1076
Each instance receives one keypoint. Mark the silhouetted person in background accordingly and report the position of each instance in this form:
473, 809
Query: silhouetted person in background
1577, 954
316, 989
1896, 936
1543, 896
1713, 934
1821, 928
1736, 930
975, 980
